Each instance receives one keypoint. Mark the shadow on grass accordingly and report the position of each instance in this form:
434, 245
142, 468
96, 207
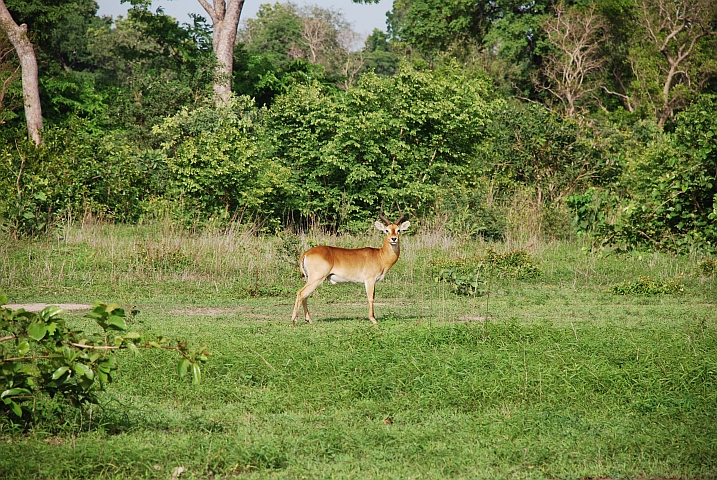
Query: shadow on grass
380, 318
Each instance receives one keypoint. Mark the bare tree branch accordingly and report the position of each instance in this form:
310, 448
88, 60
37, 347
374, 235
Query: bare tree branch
674, 27
575, 36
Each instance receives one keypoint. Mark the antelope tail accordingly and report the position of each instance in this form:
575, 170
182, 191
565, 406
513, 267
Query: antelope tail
302, 267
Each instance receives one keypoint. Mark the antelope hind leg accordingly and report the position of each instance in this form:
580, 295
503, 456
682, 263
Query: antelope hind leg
301, 297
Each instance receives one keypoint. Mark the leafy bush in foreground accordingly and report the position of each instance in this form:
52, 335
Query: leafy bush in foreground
40, 357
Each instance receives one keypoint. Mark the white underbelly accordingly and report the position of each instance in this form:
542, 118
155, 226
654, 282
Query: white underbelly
336, 279
333, 278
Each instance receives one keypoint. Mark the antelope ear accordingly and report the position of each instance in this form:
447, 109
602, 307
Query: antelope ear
404, 226
381, 226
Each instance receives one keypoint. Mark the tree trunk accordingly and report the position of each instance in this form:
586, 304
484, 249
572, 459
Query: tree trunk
28, 64
225, 20
666, 110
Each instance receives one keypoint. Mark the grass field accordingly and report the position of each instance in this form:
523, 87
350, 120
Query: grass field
548, 377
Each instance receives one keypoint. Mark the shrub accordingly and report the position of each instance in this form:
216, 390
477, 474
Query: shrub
386, 140
467, 276
529, 146
78, 169
674, 188
647, 286
215, 162
41, 357
470, 210
707, 267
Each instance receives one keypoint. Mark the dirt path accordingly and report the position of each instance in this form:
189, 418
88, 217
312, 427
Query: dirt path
38, 307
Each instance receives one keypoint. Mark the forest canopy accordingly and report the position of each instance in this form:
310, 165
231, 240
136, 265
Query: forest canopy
593, 117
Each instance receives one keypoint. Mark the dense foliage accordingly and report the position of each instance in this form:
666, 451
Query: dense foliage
42, 358
469, 115
390, 139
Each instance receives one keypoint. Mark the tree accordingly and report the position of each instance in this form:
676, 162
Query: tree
574, 37
315, 34
152, 67
225, 20
9, 72
351, 59
28, 64
273, 33
433, 26
673, 28
282, 33
379, 55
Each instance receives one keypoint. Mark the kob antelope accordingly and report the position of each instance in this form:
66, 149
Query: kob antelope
360, 265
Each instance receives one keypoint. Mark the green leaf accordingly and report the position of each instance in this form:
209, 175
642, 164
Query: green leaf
59, 372
83, 370
88, 373
86, 382
182, 367
115, 309
51, 328
50, 312
36, 330
16, 409
196, 374
23, 347
3, 299
117, 323
15, 391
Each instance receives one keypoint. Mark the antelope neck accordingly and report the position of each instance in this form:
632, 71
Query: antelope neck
391, 249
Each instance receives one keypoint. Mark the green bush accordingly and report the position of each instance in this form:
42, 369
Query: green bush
468, 276
517, 264
527, 145
386, 140
470, 210
645, 285
673, 187
707, 267
79, 168
216, 164
41, 357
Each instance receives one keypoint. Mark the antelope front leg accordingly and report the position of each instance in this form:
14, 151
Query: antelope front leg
370, 290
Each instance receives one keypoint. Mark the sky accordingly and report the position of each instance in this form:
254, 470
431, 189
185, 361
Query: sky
364, 18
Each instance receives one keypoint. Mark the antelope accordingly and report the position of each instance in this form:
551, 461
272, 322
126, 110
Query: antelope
365, 265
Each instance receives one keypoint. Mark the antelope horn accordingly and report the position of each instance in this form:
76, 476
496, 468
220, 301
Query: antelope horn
383, 217
402, 217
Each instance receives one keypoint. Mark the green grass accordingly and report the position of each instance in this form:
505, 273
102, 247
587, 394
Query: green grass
550, 377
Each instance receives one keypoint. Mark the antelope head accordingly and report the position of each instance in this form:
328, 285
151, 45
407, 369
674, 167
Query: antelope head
392, 229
